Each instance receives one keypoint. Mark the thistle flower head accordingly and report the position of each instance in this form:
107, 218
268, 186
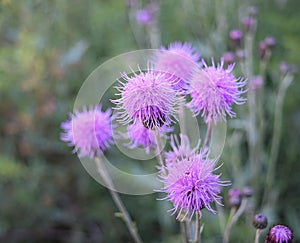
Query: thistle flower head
147, 98
179, 60
214, 90
88, 131
279, 234
191, 185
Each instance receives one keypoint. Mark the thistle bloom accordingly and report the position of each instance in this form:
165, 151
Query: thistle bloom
279, 234
180, 60
191, 186
88, 131
141, 136
214, 90
147, 98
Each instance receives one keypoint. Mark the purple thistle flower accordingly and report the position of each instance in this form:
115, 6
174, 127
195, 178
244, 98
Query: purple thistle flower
249, 23
279, 234
213, 90
181, 150
89, 131
147, 98
236, 37
141, 136
180, 60
191, 185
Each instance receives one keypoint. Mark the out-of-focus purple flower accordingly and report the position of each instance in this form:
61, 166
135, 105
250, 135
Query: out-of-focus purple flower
181, 150
191, 186
214, 90
241, 55
180, 60
146, 97
141, 136
247, 191
286, 67
249, 23
279, 234
266, 45
89, 131
236, 37
144, 16
256, 82
260, 221
270, 41
234, 197
228, 58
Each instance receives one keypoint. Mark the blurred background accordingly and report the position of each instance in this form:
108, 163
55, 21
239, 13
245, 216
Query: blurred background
49, 47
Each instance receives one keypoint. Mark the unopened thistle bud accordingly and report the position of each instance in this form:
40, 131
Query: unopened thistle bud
260, 221
234, 197
247, 191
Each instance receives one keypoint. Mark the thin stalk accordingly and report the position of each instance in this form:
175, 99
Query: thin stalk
233, 217
182, 123
208, 134
285, 83
252, 132
240, 210
226, 234
159, 150
197, 238
257, 234
116, 198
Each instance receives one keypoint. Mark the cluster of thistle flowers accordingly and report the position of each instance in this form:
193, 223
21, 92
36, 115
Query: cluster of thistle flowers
149, 104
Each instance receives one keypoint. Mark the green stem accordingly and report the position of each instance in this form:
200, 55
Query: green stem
227, 230
208, 134
233, 217
116, 198
197, 238
159, 150
182, 123
285, 83
257, 234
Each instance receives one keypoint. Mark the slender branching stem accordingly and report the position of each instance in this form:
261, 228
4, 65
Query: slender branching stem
233, 217
257, 234
116, 198
227, 230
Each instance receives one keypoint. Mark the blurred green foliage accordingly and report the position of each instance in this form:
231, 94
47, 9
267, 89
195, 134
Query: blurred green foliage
47, 49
